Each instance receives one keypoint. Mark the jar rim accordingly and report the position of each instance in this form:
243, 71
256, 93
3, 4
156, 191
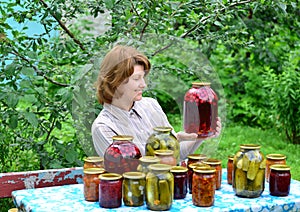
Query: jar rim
280, 167
134, 175
160, 167
196, 84
149, 159
93, 159
164, 152
93, 170
197, 164
212, 161
197, 156
110, 176
122, 137
179, 169
204, 170
275, 156
162, 129
250, 146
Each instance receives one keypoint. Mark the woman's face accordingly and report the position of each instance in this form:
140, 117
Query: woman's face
131, 89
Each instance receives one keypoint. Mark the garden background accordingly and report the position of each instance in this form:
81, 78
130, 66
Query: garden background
50, 54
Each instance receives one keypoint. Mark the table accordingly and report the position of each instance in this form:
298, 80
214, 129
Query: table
70, 198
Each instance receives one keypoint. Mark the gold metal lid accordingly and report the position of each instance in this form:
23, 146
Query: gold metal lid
198, 164
179, 169
149, 159
110, 176
276, 156
197, 156
198, 84
93, 171
162, 129
159, 167
280, 167
164, 152
204, 170
93, 159
134, 175
250, 146
212, 161
123, 137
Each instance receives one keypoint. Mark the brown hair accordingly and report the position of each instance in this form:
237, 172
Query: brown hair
117, 66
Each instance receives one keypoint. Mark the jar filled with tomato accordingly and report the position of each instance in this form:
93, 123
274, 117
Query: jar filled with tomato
91, 183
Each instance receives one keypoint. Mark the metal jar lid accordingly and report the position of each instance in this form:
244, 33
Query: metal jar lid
134, 175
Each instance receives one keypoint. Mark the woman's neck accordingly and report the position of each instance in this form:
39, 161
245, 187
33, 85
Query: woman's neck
124, 105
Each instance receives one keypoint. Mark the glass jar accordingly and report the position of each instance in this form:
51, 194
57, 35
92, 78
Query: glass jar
110, 190
203, 191
122, 155
229, 169
216, 164
273, 159
162, 139
180, 181
191, 171
145, 161
159, 187
133, 188
166, 156
91, 183
249, 171
93, 162
200, 110
280, 180
194, 158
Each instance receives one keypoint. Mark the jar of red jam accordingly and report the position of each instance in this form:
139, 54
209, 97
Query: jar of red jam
191, 171
203, 191
133, 188
273, 159
93, 162
166, 156
194, 158
110, 190
200, 110
91, 183
229, 169
216, 164
180, 181
145, 161
122, 155
280, 180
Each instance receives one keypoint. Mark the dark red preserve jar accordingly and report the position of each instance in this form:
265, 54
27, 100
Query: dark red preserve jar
180, 181
279, 180
200, 110
122, 155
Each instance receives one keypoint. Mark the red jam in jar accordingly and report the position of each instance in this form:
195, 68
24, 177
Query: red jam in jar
91, 183
110, 190
180, 181
280, 180
200, 110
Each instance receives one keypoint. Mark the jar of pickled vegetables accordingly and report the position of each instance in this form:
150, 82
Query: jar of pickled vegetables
145, 161
249, 171
280, 180
203, 191
200, 110
166, 156
159, 187
194, 158
180, 181
191, 172
133, 188
216, 164
273, 159
110, 190
91, 183
122, 155
162, 139
229, 169
93, 162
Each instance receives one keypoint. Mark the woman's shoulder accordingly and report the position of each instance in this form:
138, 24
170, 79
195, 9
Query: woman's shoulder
148, 100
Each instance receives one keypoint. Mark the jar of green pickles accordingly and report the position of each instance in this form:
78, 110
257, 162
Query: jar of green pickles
145, 161
249, 171
133, 188
159, 187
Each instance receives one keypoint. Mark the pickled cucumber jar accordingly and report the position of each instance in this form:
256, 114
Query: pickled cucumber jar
249, 171
273, 159
200, 110
91, 183
162, 139
180, 181
166, 156
93, 162
159, 187
216, 164
122, 155
133, 188
145, 161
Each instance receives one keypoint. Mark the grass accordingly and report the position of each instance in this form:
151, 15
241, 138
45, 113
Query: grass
270, 140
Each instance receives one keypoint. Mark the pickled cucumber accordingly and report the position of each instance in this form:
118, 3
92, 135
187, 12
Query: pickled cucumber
165, 195
259, 179
246, 162
152, 193
240, 180
252, 170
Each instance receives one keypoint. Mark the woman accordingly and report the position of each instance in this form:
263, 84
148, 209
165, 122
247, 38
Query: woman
120, 86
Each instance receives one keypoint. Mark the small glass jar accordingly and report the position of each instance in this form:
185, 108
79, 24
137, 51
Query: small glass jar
280, 180
145, 161
180, 181
203, 191
133, 188
216, 164
91, 183
191, 171
159, 187
166, 156
194, 158
110, 190
229, 169
93, 162
273, 159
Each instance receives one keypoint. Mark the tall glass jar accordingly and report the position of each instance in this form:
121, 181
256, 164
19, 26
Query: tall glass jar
162, 139
273, 159
216, 164
191, 172
280, 180
203, 192
159, 187
91, 183
93, 162
110, 190
229, 169
145, 161
200, 110
166, 156
133, 188
180, 181
122, 155
249, 171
